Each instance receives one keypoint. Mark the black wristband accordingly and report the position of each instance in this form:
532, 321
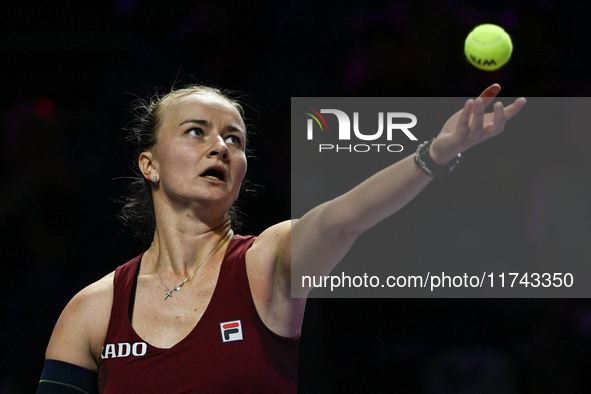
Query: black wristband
60, 377
424, 161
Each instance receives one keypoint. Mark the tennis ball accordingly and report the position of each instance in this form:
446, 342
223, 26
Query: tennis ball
488, 47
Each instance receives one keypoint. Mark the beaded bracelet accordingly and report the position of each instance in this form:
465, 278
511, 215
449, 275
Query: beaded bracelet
424, 161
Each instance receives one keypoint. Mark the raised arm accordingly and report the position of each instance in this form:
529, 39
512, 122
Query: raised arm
322, 236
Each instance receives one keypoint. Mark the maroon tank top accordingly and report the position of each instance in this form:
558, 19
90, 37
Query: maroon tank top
230, 350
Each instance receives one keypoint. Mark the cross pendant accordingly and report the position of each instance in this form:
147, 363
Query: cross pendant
168, 294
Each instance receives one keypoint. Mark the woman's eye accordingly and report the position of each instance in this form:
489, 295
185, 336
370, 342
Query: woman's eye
196, 132
234, 140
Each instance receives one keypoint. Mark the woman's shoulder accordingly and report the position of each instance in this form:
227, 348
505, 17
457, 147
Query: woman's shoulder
94, 295
98, 293
274, 237
80, 331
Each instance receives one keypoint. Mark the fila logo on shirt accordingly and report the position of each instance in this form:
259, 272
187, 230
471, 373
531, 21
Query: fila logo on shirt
124, 349
231, 331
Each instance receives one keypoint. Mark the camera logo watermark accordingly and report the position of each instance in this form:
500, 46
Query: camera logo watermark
388, 122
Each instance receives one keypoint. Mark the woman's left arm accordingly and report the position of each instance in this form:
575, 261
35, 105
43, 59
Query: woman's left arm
324, 234
314, 244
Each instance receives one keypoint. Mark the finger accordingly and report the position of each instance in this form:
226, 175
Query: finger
514, 108
498, 124
464, 120
477, 119
490, 93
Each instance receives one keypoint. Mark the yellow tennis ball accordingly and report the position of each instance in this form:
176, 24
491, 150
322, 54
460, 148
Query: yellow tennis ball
488, 47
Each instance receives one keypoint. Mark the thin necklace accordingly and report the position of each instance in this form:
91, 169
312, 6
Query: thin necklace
178, 287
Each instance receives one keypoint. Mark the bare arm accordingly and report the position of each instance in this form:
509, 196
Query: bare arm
323, 236
318, 241
80, 331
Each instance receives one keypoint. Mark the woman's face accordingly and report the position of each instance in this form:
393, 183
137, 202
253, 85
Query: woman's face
199, 155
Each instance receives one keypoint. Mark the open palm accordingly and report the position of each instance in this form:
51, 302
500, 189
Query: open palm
471, 126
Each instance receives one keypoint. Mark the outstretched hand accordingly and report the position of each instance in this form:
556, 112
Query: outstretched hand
471, 126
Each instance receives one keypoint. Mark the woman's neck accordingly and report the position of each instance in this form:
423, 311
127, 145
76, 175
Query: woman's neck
179, 249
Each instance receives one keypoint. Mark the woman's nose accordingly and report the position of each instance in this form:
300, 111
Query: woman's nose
219, 148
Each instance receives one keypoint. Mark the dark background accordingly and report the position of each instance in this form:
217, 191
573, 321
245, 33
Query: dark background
71, 69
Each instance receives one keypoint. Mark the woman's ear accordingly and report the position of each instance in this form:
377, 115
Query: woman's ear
147, 166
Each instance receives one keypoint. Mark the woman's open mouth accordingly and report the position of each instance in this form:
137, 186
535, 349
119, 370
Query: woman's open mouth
214, 173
